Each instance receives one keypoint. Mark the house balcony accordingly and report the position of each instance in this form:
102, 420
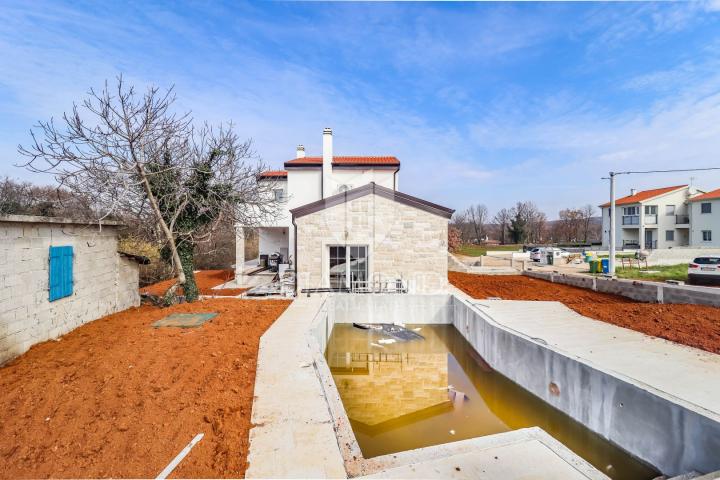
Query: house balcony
651, 219
682, 220
630, 221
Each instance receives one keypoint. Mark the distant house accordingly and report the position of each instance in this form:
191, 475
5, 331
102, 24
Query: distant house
705, 219
342, 224
657, 218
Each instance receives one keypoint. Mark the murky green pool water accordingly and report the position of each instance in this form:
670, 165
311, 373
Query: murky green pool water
397, 398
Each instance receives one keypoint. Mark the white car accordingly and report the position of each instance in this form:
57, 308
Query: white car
704, 270
536, 254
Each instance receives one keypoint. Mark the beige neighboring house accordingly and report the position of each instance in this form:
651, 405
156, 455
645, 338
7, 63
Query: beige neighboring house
57, 274
659, 218
344, 225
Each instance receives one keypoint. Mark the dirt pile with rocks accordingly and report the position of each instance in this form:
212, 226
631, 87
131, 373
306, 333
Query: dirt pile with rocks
693, 325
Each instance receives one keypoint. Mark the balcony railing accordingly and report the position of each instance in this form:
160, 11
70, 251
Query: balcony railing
650, 219
632, 244
682, 219
631, 220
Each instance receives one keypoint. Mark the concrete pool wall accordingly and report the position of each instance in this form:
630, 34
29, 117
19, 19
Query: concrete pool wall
669, 433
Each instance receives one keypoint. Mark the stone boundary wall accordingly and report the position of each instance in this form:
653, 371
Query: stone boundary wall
649, 292
104, 282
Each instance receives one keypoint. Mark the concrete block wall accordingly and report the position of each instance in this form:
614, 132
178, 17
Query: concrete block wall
648, 292
104, 282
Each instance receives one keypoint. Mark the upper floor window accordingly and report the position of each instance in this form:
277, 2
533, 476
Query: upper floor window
669, 210
706, 207
631, 210
279, 194
650, 209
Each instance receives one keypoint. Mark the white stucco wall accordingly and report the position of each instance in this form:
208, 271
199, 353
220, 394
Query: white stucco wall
104, 281
273, 240
303, 186
705, 221
404, 242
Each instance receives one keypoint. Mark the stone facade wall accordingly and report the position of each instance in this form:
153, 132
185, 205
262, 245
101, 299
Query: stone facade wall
404, 242
104, 281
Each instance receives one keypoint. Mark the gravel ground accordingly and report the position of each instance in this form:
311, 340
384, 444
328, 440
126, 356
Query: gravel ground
118, 398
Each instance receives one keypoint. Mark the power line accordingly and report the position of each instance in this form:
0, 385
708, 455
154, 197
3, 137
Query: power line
667, 171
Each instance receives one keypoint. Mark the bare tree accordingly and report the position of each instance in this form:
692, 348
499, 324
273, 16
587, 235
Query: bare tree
587, 213
138, 158
502, 220
477, 217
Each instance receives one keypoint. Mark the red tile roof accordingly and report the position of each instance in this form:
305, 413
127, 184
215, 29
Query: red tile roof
707, 196
644, 195
273, 174
340, 161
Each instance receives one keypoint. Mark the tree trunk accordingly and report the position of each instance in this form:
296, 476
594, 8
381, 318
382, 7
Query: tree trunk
177, 261
186, 252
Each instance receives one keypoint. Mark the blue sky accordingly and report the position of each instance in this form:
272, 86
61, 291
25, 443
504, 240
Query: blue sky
482, 102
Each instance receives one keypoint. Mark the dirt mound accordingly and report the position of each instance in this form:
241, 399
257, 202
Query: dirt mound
693, 325
205, 279
118, 398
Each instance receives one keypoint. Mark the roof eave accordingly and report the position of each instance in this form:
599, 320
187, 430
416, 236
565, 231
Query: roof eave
367, 189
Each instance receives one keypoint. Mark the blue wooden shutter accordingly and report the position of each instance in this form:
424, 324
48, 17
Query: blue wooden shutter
61, 272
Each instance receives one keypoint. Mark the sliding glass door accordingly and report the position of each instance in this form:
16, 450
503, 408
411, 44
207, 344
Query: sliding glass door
348, 265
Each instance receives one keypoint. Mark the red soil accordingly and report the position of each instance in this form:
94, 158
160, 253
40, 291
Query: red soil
205, 279
693, 325
118, 398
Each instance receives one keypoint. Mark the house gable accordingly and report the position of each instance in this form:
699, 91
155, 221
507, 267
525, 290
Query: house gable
369, 189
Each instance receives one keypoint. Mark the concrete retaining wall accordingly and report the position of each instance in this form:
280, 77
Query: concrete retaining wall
670, 437
104, 281
649, 292
667, 435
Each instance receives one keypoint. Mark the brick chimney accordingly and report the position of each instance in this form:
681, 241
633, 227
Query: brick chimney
327, 159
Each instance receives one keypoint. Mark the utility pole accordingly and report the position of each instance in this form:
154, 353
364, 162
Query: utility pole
611, 258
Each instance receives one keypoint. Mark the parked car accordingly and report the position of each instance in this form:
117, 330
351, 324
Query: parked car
704, 270
536, 254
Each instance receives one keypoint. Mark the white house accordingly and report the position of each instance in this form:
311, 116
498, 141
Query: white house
657, 218
351, 224
705, 219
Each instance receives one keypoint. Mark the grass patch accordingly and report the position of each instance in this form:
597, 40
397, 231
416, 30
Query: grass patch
617, 255
660, 273
479, 250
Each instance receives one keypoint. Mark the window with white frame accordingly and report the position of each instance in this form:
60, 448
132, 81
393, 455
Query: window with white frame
669, 235
669, 210
650, 209
706, 207
279, 194
348, 265
707, 235
631, 210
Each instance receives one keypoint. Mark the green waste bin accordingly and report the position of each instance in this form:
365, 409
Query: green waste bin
594, 266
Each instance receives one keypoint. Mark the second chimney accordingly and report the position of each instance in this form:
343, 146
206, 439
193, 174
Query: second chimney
633, 191
327, 158
300, 152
